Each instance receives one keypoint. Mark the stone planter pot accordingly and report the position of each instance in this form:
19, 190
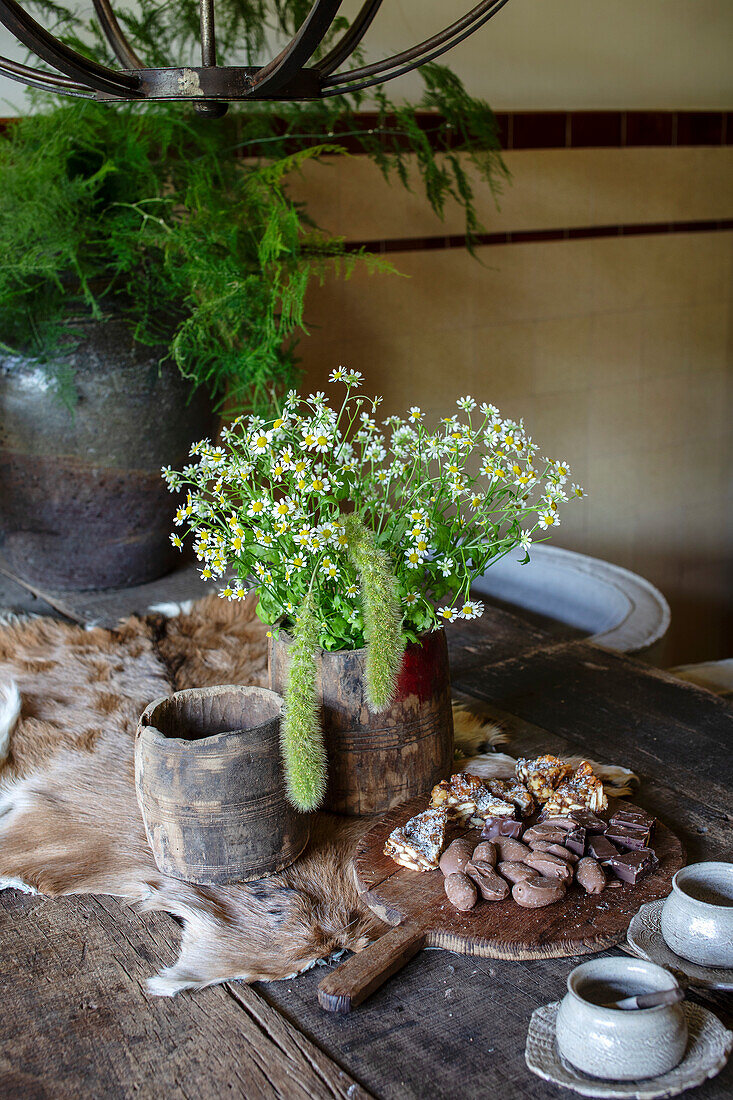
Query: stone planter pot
211, 789
82, 502
376, 761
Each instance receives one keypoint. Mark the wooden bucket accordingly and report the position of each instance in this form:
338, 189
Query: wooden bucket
210, 786
376, 761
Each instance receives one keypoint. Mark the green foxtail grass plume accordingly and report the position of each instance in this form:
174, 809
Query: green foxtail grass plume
301, 734
382, 614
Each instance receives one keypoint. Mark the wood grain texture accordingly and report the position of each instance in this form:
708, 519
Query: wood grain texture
376, 761
76, 969
210, 785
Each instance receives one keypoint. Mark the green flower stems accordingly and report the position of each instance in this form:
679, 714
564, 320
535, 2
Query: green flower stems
382, 614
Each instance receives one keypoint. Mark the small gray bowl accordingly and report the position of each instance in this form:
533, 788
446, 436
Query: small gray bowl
697, 917
617, 1044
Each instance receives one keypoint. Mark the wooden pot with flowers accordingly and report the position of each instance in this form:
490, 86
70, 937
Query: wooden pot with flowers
361, 540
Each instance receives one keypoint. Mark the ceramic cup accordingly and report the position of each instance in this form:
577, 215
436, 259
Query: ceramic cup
697, 917
618, 1044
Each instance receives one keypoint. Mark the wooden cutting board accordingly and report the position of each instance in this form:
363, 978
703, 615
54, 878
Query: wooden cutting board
423, 917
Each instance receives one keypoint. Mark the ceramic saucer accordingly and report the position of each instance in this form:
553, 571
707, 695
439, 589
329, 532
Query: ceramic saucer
708, 1047
646, 941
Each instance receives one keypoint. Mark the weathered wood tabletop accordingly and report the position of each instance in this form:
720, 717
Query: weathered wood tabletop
77, 1020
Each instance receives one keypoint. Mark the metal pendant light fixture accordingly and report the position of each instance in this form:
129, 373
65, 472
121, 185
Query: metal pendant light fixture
211, 87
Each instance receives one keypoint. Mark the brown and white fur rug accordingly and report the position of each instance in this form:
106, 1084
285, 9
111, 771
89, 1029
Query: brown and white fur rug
69, 821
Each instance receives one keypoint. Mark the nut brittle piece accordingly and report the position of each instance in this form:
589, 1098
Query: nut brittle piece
419, 842
466, 798
512, 790
542, 774
584, 791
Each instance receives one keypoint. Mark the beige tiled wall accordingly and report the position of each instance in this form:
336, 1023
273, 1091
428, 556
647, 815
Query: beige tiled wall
617, 352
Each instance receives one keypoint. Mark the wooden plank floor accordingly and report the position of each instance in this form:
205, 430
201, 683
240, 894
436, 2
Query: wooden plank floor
77, 1020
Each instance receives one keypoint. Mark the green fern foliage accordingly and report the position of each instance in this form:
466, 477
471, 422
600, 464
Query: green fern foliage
303, 751
382, 614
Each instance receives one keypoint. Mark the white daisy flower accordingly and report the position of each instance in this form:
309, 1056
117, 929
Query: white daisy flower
447, 614
176, 540
319, 485
354, 377
411, 598
260, 441
298, 562
415, 413
337, 375
446, 566
352, 591
257, 507
285, 506
413, 558
525, 540
471, 609
466, 403
577, 490
548, 519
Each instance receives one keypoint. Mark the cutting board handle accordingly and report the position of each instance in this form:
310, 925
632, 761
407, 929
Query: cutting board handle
356, 979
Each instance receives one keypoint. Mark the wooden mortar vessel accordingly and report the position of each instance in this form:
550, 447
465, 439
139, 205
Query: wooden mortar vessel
377, 761
210, 785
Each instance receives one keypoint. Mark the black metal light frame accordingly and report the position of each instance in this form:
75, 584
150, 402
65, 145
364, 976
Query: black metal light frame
211, 87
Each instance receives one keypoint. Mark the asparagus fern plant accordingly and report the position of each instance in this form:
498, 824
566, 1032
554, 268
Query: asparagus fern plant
186, 225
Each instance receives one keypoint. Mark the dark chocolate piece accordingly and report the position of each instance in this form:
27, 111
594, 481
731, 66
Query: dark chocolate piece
631, 866
588, 821
501, 826
575, 841
634, 819
600, 848
627, 838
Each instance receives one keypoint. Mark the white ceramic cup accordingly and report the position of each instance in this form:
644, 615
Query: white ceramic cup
697, 917
618, 1044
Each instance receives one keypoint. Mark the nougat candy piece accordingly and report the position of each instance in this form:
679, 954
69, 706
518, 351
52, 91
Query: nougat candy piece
542, 774
465, 796
419, 842
511, 790
583, 792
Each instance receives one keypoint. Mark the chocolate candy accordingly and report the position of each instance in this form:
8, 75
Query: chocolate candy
536, 892
456, 856
575, 841
542, 831
550, 866
589, 874
600, 848
501, 826
626, 837
485, 851
461, 891
588, 821
634, 819
554, 850
515, 872
565, 823
631, 866
510, 849
491, 886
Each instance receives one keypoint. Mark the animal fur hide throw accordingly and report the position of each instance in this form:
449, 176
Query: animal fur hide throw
69, 820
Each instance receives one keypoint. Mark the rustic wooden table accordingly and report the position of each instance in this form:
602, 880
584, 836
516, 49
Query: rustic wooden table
76, 1019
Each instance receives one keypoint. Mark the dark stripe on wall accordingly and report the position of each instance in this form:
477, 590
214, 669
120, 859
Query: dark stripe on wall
425, 244
565, 129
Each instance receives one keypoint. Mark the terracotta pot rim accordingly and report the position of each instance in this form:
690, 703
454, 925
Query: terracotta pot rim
282, 633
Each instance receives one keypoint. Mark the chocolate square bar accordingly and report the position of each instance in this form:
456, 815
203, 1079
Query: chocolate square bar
600, 848
575, 841
631, 866
627, 837
588, 821
501, 826
634, 819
